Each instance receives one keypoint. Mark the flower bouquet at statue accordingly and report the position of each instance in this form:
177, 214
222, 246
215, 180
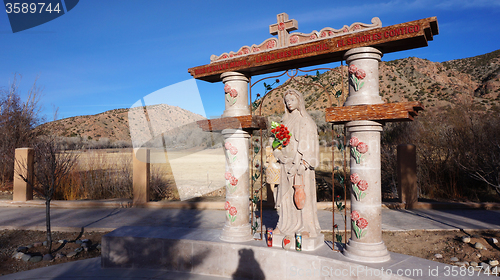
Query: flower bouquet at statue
281, 135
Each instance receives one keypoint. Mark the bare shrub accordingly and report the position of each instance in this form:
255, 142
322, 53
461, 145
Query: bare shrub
458, 153
161, 188
99, 175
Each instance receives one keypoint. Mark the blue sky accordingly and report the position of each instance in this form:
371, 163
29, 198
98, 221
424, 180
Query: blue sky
105, 55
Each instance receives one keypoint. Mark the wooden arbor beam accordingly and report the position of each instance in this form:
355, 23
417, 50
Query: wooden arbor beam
243, 122
399, 37
387, 112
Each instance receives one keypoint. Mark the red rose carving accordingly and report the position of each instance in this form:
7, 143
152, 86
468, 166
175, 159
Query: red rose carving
228, 145
353, 142
281, 26
355, 178
362, 185
362, 147
227, 88
360, 74
294, 39
227, 205
354, 215
233, 212
352, 69
233, 93
228, 175
362, 223
271, 44
233, 181
233, 150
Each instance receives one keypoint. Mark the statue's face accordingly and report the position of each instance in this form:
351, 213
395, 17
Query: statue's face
291, 101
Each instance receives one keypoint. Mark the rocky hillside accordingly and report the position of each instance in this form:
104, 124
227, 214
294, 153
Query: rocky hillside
114, 124
475, 80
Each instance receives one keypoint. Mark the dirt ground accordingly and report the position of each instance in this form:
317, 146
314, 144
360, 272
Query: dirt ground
423, 244
10, 240
426, 244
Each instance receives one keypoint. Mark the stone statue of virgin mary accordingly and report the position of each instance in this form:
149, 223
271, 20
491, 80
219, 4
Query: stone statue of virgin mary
298, 160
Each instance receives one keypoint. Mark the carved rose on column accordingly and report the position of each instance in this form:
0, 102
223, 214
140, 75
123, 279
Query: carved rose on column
355, 77
231, 212
358, 149
358, 224
231, 94
231, 183
358, 186
231, 152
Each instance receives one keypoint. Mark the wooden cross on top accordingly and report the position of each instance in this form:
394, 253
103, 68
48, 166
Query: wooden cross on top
282, 28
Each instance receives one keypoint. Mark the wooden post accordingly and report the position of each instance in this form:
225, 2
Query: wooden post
23, 166
407, 175
141, 175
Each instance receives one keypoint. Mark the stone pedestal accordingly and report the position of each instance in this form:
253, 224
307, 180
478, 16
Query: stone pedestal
237, 227
235, 94
22, 190
366, 242
407, 175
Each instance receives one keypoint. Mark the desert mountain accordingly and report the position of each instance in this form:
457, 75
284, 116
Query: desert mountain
114, 124
437, 85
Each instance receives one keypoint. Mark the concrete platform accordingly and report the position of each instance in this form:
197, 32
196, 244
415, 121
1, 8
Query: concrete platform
200, 252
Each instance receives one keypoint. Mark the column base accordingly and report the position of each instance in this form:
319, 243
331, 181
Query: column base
366, 252
308, 243
236, 112
236, 233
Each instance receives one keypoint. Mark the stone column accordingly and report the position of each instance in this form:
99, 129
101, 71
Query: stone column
365, 244
235, 94
237, 227
141, 175
23, 165
407, 175
236, 145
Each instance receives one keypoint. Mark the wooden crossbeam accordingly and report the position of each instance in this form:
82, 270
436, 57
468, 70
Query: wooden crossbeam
243, 122
399, 37
387, 112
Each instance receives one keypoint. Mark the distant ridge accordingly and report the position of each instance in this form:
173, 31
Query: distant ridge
437, 85
114, 124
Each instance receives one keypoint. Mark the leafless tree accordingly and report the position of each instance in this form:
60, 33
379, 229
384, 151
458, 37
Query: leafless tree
51, 165
17, 122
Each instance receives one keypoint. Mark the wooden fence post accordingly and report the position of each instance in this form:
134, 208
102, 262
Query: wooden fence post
407, 175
